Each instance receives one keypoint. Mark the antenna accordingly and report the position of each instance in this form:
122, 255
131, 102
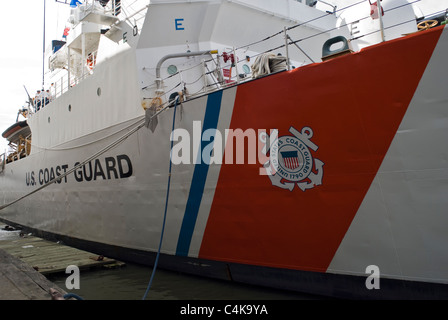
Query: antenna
43, 54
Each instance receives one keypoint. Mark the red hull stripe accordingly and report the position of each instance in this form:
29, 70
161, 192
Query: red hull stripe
354, 105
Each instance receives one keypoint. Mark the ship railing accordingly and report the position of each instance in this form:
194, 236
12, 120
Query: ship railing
57, 89
27, 145
224, 70
92, 6
69, 80
17, 151
12, 154
61, 86
41, 102
210, 77
233, 73
213, 75
113, 8
214, 72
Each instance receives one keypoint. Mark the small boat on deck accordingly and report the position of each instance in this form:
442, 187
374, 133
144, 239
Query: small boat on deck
18, 136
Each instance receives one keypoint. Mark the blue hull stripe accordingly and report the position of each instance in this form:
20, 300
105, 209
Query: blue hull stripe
199, 178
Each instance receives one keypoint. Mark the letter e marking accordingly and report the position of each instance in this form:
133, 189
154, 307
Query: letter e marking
178, 24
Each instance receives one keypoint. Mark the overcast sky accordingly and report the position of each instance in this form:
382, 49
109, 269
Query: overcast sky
22, 48
21, 52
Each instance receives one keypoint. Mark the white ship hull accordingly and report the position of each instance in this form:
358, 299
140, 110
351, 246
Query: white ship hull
360, 186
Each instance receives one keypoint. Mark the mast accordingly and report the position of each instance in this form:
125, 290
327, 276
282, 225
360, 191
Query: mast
380, 16
43, 54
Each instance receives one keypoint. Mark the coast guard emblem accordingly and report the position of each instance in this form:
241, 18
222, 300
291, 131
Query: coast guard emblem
291, 160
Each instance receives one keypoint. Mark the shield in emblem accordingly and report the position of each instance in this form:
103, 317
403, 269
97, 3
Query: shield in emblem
290, 159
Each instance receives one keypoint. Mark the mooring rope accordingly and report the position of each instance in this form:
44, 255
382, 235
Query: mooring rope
94, 156
138, 125
166, 207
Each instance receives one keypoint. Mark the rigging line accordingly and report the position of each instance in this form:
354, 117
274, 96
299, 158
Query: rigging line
166, 207
403, 5
164, 79
297, 25
348, 23
385, 28
178, 72
395, 25
324, 15
172, 88
322, 32
190, 83
92, 157
262, 40
43, 54
88, 143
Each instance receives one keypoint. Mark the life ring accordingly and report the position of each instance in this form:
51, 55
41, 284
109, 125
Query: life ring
90, 63
156, 102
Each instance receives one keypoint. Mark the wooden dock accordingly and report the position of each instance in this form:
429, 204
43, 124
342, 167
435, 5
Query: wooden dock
19, 281
50, 257
25, 260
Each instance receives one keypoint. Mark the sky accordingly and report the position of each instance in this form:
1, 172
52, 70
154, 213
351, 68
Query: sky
22, 48
21, 54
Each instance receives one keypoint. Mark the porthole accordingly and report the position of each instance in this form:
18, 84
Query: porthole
172, 69
98, 92
69, 107
246, 69
48, 119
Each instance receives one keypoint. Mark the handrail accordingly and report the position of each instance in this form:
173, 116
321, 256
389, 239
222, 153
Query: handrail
155, 86
63, 84
177, 55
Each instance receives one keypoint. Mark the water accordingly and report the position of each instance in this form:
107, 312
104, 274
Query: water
129, 282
